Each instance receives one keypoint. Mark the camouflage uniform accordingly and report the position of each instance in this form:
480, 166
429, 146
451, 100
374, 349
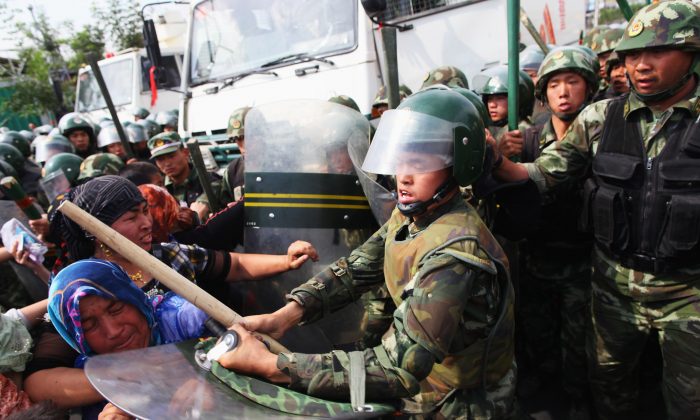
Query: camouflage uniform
191, 190
628, 304
445, 75
450, 296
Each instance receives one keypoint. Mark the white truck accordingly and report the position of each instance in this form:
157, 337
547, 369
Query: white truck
127, 73
251, 52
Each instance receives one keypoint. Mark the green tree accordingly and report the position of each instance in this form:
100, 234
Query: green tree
89, 40
122, 22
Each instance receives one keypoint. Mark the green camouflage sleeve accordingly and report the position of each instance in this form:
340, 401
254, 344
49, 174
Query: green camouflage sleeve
427, 326
344, 281
565, 161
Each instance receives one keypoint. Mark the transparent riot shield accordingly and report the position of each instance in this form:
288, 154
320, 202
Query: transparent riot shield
378, 188
54, 184
36, 288
300, 185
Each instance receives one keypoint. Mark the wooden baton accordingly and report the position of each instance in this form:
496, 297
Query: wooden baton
159, 270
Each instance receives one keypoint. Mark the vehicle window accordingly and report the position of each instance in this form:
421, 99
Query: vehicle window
171, 78
233, 36
118, 77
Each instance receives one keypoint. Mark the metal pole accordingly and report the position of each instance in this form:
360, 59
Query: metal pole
513, 62
390, 55
626, 9
527, 23
198, 162
110, 105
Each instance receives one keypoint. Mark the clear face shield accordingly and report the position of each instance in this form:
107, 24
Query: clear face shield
46, 148
54, 184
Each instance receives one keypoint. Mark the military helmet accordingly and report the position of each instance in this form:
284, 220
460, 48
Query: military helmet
166, 119
531, 57
236, 122
606, 41
672, 24
475, 99
150, 126
136, 133
437, 123
43, 130
445, 75
105, 122
28, 135
7, 170
11, 155
69, 163
140, 112
74, 121
108, 135
494, 81
590, 35
340, 99
49, 146
567, 59
100, 164
16, 139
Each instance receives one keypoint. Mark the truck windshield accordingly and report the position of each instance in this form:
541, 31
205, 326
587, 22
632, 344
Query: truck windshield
119, 80
234, 36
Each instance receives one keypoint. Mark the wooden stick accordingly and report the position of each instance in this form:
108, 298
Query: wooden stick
158, 270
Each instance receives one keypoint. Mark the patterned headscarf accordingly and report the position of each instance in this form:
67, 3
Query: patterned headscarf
93, 277
163, 208
106, 198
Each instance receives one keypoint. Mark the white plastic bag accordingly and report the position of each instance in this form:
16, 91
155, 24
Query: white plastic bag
15, 230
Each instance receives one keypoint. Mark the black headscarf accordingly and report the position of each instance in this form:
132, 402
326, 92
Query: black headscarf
107, 198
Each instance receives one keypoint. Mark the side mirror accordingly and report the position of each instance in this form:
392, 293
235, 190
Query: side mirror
374, 8
150, 39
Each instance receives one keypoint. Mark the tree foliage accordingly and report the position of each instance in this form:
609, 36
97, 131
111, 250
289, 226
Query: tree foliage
122, 22
88, 41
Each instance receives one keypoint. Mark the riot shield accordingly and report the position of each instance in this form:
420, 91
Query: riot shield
300, 185
55, 184
36, 288
378, 188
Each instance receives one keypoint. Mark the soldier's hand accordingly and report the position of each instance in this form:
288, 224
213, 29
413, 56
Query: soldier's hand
185, 218
40, 226
511, 143
202, 210
276, 323
298, 252
489, 138
252, 357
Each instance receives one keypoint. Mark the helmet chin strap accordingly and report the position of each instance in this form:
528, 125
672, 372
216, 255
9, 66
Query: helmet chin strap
420, 207
500, 123
664, 94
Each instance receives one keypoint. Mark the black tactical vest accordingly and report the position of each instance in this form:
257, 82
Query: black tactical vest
646, 211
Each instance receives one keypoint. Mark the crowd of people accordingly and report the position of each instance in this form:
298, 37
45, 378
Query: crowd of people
564, 250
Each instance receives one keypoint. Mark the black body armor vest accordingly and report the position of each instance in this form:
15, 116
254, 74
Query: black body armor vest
646, 211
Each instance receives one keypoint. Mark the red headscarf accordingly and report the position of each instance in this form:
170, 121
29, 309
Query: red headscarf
163, 208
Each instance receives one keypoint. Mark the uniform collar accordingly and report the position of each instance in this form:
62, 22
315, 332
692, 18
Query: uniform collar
422, 223
190, 178
690, 103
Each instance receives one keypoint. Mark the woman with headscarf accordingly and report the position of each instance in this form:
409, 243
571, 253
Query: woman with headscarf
164, 211
118, 203
98, 309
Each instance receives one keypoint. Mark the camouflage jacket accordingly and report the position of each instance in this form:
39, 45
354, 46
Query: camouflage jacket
191, 190
447, 276
568, 160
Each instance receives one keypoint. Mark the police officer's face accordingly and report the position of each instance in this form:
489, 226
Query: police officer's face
80, 140
566, 92
655, 70
498, 106
116, 149
416, 187
602, 59
112, 326
532, 73
174, 164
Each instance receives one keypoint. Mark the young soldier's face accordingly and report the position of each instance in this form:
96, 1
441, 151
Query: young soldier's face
173, 164
416, 187
652, 71
566, 92
80, 140
497, 106
116, 149
618, 79
602, 59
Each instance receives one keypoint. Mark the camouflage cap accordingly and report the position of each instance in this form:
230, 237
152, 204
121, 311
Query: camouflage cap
345, 100
566, 59
588, 38
606, 41
164, 143
446, 75
236, 122
100, 164
672, 24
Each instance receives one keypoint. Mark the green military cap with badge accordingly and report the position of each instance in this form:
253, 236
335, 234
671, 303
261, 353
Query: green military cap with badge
236, 122
164, 143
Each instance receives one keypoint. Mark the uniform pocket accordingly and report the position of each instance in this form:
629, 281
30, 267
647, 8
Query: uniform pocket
682, 231
610, 218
